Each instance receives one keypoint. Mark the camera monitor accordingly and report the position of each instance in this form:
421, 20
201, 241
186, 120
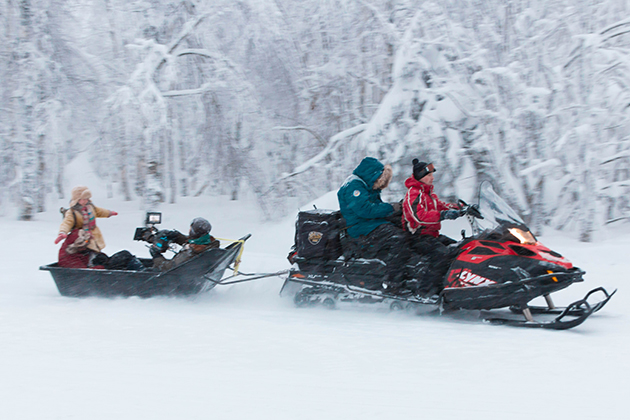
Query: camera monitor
153, 218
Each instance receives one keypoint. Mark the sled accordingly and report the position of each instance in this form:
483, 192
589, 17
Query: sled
201, 273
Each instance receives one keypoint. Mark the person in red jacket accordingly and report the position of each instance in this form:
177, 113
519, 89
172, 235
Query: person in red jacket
72, 256
423, 212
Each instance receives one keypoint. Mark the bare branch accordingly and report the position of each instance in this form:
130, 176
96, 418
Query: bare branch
334, 142
317, 136
615, 26
622, 155
206, 87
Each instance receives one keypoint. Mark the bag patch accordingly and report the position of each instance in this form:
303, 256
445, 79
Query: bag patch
317, 234
315, 237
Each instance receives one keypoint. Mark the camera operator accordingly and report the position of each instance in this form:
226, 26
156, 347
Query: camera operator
197, 241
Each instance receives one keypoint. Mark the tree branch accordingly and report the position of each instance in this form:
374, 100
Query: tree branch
613, 158
334, 142
317, 136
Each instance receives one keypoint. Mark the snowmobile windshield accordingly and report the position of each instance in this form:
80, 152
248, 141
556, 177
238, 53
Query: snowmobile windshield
496, 211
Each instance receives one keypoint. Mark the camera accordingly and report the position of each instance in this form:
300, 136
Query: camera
160, 240
148, 231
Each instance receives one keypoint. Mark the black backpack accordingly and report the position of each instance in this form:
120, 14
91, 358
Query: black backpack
318, 234
124, 260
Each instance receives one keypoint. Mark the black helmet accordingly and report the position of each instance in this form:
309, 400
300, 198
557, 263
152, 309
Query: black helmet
199, 227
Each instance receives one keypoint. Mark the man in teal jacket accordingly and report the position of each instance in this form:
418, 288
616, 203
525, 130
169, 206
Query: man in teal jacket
360, 202
372, 235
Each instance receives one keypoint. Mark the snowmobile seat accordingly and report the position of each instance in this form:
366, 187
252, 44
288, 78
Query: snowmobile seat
318, 265
353, 266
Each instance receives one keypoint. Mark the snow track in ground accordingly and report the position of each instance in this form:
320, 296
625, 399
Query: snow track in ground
241, 352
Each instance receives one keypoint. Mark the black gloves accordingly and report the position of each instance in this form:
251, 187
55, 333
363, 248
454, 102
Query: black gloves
175, 234
450, 214
154, 251
473, 210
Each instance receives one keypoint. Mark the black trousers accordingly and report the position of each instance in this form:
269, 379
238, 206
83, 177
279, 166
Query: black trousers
438, 257
388, 244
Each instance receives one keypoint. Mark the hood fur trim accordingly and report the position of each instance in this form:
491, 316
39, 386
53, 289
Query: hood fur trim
383, 181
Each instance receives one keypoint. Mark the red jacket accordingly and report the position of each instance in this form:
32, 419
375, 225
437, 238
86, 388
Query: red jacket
421, 208
77, 260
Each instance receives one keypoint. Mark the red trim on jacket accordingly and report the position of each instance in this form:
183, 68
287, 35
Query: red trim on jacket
421, 208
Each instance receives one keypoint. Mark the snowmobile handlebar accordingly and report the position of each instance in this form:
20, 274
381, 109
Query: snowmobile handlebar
469, 209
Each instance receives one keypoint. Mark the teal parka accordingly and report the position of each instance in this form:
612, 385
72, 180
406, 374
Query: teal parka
359, 203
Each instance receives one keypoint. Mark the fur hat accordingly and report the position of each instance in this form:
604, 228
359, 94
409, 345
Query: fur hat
421, 169
199, 227
383, 181
80, 193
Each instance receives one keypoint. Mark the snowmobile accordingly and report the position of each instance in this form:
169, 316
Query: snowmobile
201, 273
501, 265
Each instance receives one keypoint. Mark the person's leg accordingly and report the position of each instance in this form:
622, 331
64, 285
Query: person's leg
390, 245
435, 260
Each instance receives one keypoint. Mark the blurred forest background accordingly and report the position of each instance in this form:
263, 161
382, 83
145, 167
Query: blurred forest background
278, 100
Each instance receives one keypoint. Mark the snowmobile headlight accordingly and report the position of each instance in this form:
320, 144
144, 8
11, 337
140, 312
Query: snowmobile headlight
524, 236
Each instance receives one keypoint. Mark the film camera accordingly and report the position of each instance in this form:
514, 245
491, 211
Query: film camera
159, 239
147, 232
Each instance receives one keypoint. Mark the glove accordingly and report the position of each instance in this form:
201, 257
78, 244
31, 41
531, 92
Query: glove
450, 214
113, 213
473, 210
61, 237
174, 234
154, 251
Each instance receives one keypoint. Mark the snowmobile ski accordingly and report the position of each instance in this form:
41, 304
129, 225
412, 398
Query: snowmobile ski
579, 311
575, 311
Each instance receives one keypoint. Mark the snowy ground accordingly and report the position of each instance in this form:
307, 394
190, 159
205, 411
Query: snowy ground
242, 352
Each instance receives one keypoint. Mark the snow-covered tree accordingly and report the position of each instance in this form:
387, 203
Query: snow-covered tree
280, 99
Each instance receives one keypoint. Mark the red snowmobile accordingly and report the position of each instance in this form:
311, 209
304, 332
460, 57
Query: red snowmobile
502, 265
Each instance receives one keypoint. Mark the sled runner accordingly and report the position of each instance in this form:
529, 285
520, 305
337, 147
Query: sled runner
502, 265
201, 273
